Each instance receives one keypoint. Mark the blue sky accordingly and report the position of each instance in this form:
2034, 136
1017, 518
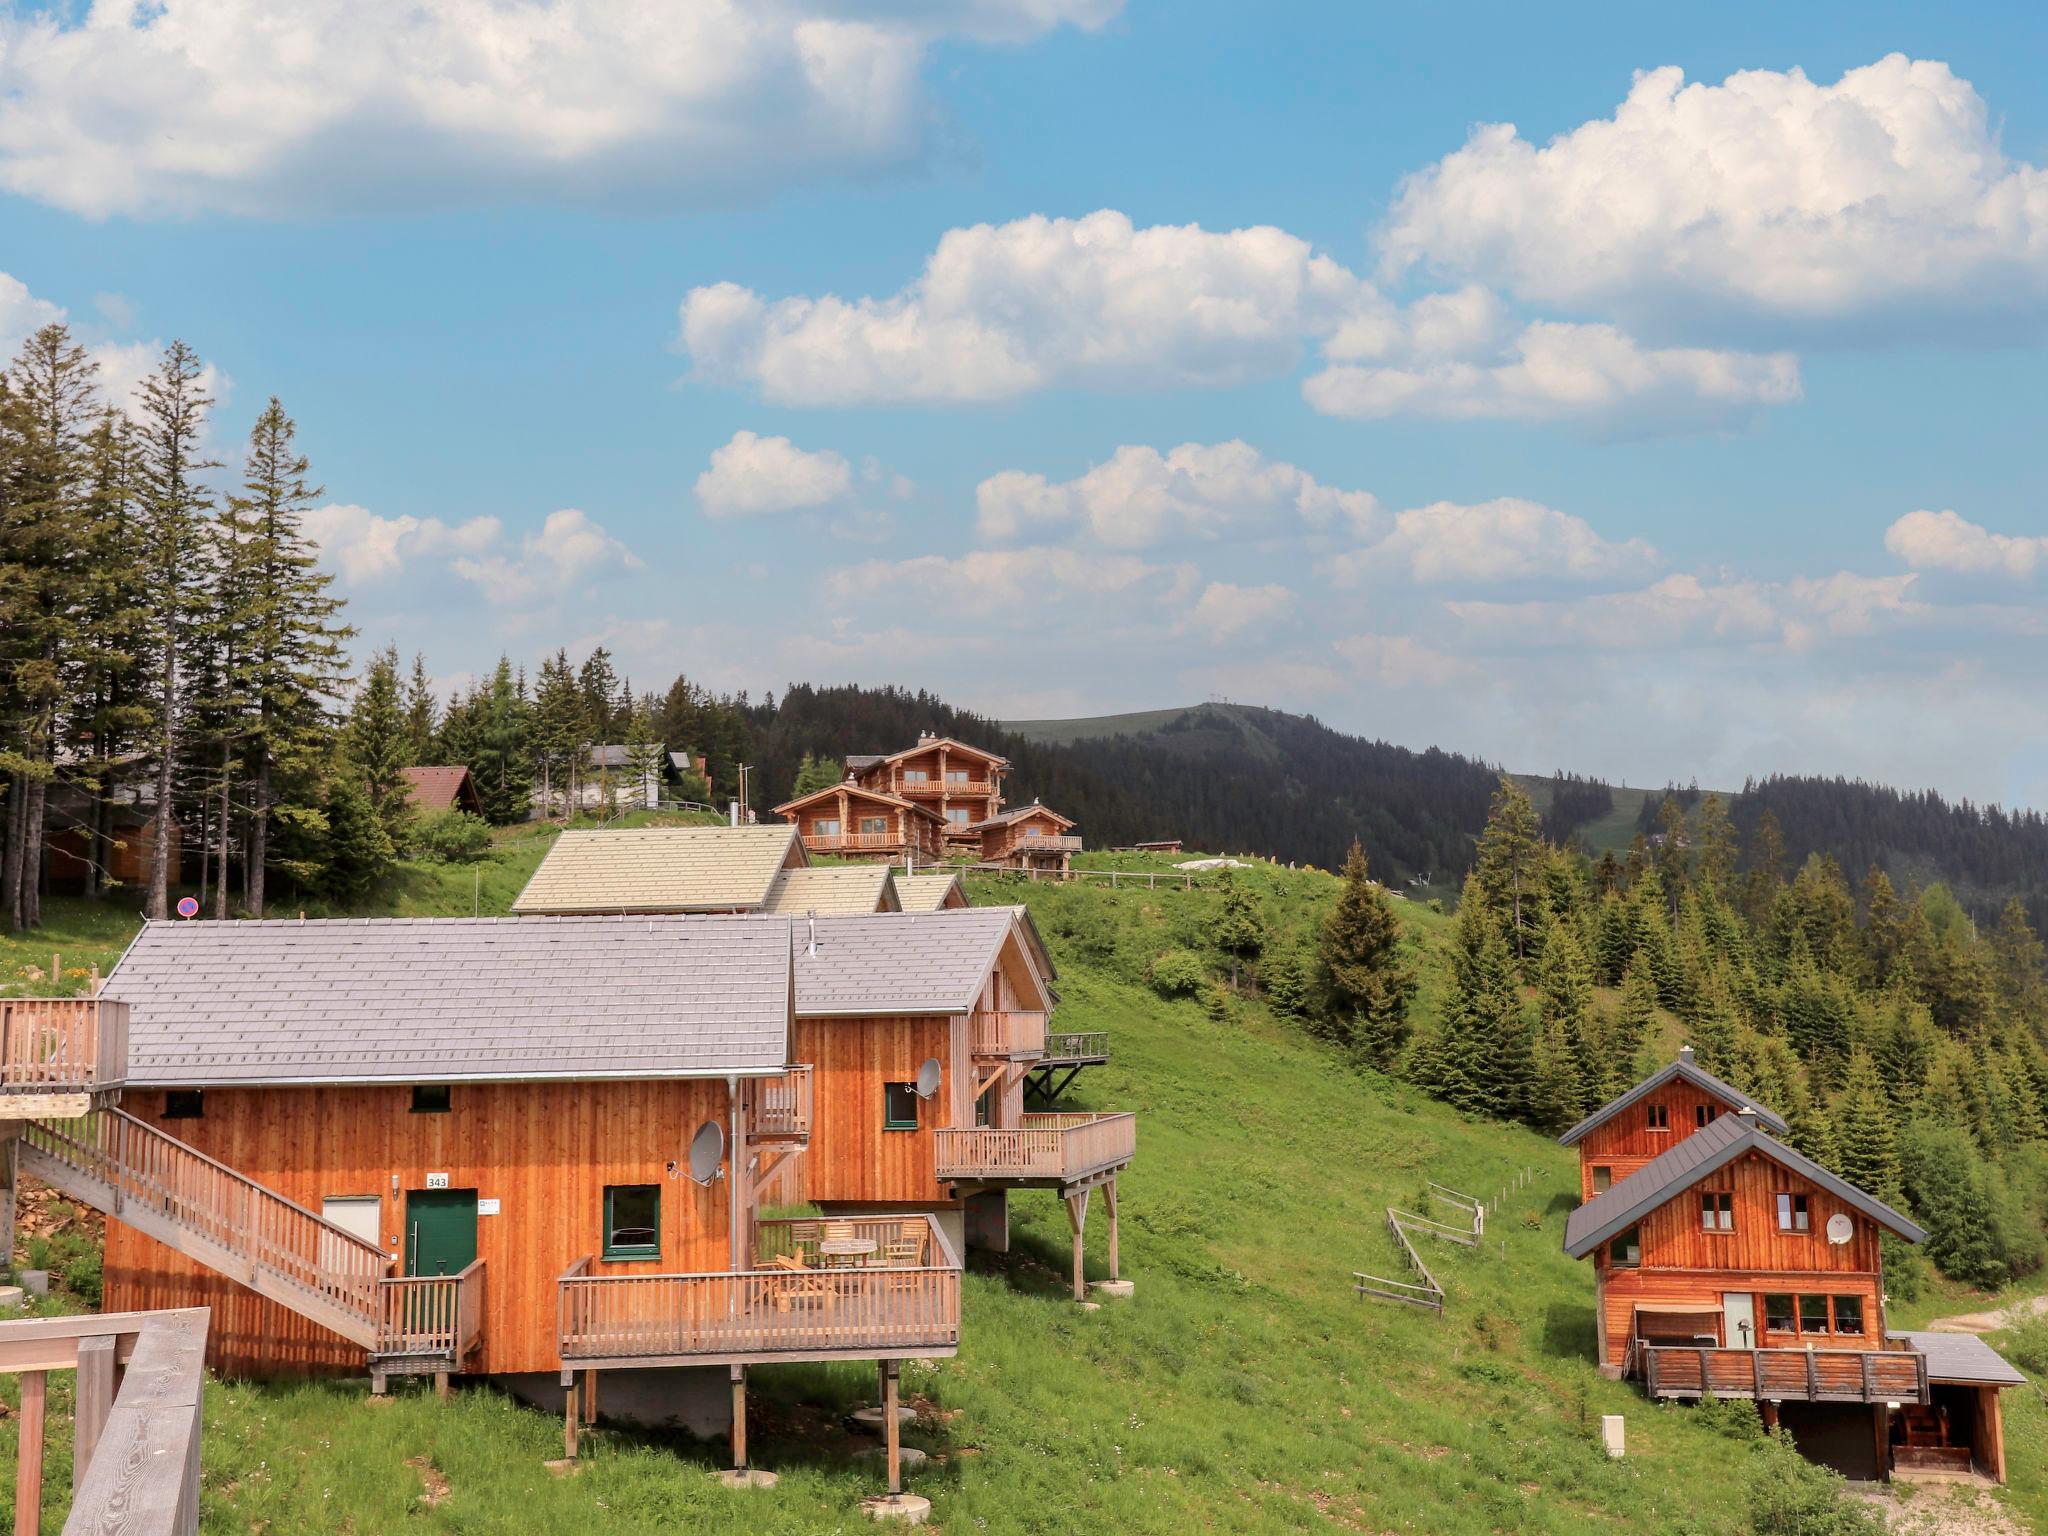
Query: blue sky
1068, 356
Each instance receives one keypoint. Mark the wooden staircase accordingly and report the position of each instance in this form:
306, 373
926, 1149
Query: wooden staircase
134, 1173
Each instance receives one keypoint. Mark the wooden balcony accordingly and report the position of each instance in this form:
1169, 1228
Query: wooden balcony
779, 1108
1061, 1150
890, 1291
1784, 1375
1077, 1047
429, 1322
853, 842
1046, 842
959, 789
58, 1054
1009, 1035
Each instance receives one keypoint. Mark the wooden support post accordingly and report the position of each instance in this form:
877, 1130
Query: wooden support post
28, 1454
739, 1418
1109, 1205
94, 1401
590, 1397
572, 1411
1077, 1218
1883, 1417
441, 1388
8, 1187
892, 1371
379, 1383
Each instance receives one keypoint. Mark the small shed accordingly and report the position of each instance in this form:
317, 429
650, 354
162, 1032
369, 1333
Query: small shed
448, 787
1963, 1428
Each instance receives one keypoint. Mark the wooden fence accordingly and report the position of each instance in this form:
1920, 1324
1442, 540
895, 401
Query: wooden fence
62, 1045
1785, 1375
135, 1448
436, 1316
1045, 1146
1430, 1292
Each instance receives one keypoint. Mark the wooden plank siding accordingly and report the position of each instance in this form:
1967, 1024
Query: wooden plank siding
1624, 1143
544, 1151
1683, 1265
852, 1157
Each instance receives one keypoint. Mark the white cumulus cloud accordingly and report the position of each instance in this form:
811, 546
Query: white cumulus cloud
237, 106
1401, 661
1507, 539
22, 314
1684, 612
1141, 497
366, 547
1013, 579
568, 546
1769, 194
1945, 541
1224, 610
754, 474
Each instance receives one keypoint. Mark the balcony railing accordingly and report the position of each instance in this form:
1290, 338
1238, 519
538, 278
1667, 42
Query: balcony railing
1077, 1045
53, 1045
1785, 1375
1045, 842
779, 1108
435, 1317
1008, 1034
852, 842
825, 1297
1052, 1147
965, 789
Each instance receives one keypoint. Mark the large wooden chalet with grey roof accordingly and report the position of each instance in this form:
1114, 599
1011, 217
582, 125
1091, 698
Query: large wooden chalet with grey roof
1728, 1264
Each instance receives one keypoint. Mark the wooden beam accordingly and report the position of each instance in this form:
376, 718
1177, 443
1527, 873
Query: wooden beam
28, 1454
590, 1397
93, 1402
739, 1418
892, 1431
1109, 1205
572, 1411
1077, 1218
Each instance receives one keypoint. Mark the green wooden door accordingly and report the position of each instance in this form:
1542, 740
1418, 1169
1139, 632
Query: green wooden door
440, 1231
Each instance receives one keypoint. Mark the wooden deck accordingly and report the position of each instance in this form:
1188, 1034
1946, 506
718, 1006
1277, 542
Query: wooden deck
1009, 1035
60, 1055
854, 842
1049, 1149
780, 1108
898, 1300
1784, 1375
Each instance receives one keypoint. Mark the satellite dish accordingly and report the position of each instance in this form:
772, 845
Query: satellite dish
707, 1151
1840, 1229
927, 1082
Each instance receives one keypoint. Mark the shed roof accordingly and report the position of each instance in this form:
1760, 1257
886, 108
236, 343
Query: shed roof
1688, 1069
929, 893
1962, 1357
660, 869
898, 962
842, 890
1672, 1173
455, 999
439, 788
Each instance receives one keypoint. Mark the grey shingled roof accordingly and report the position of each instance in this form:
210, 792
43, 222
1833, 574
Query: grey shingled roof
1962, 1357
1018, 813
896, 962
1693, 1073
455, 999
855, 763
1703, 1152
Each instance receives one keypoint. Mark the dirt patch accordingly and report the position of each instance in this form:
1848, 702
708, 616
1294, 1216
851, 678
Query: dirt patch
1993, 1320
433, 1484
1934, 1509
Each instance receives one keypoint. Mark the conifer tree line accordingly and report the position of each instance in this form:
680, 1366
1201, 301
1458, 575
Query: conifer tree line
1905, 1044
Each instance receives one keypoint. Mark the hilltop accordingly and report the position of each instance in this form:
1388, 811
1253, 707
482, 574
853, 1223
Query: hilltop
1245, 1389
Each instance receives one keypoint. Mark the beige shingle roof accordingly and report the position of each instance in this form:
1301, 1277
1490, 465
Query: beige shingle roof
659, 869
838, 891
927, 893
455, 999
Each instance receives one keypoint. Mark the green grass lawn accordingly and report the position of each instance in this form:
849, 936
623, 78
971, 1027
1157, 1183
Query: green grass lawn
1244, 1389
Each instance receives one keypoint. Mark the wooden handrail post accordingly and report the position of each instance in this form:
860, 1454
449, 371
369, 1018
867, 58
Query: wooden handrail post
93, 1402
1812, 1378
28, 1454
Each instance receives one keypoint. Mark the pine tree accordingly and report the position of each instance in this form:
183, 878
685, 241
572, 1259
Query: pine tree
644, 757
1510, 865
600, 687
500, 759
1565, 1014
358, 851
379, 745
1634, 1025
559, 732
1482, 1060
814, 773
422, 711
1866, 1131
1365, 985
1240, 930
176, 511
1714, 832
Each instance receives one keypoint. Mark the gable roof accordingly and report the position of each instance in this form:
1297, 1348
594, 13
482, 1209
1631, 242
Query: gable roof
612, 754
929, 893
660, 869
1019, 813
1702, 1153
848, 787
454, 999
840, 890
1685, 1067
1034, 941
434, 789
925, 744
1962, 1357
897, 962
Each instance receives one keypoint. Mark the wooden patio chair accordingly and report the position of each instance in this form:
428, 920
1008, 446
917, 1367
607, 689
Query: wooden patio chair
813, 1289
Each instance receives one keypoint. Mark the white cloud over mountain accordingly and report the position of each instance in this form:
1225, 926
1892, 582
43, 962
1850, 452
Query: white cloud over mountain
1768, 194
190, 106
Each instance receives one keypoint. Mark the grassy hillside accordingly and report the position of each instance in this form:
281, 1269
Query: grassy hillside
1244, 1389
1059, 733
1614, 831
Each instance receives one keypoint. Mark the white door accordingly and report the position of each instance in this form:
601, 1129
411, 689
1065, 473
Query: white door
1738, 1319
359, 1215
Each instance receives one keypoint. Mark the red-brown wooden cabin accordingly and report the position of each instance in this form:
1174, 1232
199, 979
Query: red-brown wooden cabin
962, 783
1651, 1118
1032, 837
1731, 1265
855, 822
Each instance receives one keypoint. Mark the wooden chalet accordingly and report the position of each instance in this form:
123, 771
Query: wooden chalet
433, 790
852, 821
1728, 1264
963, 783
527, 1148
1031, 837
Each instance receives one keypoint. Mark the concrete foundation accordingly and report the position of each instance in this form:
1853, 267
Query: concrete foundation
1112, 1290
876, 1420
751, 1477
905, 1507
908, 1457
988, 1220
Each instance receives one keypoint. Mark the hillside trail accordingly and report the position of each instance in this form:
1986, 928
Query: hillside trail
1935, 1510
1991, 1321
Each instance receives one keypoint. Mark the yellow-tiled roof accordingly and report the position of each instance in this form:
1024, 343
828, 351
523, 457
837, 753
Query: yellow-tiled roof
659, 869
846, 890
925, 893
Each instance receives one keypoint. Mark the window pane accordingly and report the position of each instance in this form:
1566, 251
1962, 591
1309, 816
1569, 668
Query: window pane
1778, 1314
874, 823
1813, 1314
1848, 1314
430, 1101
826, 826
1603, 1179
633, 1219
899, 1107
1626, 1250
1799, 1213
